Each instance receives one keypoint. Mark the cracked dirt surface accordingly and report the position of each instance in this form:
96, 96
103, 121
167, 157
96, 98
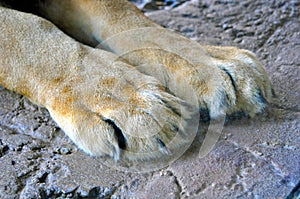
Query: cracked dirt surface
254, 158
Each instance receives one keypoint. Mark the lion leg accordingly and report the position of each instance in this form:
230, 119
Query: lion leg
90, 21
104, 105
225, 80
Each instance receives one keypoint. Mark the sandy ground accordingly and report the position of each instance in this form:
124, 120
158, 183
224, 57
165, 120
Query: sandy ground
254, 158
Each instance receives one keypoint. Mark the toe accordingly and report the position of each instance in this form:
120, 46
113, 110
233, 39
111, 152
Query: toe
249, 79
155, 130
89, 131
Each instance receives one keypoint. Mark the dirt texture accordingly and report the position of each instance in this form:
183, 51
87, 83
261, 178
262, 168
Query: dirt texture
254, 158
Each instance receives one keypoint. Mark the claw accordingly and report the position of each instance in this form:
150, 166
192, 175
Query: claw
260, 98
231, 78
162, 147
118, 134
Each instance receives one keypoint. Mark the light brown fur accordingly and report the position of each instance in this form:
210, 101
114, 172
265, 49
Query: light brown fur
91, 93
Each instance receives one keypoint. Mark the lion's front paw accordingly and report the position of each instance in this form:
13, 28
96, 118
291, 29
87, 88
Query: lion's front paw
224, 79
127, 116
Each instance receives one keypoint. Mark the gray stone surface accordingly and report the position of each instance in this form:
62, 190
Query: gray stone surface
254, 158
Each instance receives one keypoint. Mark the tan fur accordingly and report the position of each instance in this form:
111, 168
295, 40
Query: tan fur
85, 89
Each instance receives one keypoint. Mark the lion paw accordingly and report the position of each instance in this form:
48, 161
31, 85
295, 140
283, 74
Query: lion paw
125, 115
223, 79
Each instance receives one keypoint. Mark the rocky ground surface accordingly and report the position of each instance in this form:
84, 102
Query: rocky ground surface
254, 158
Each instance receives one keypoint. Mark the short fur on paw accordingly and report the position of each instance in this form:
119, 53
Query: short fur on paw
128, 116
225, 79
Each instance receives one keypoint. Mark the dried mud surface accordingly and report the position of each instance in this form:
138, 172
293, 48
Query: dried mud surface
254, 158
